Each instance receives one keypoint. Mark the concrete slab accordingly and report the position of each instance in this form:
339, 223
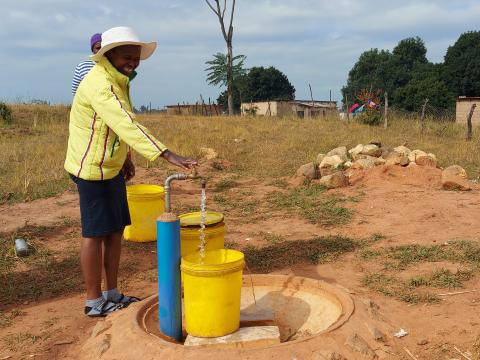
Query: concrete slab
257, 316
248, 337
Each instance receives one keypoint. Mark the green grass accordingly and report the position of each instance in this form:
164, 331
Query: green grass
280, 183
442, 278
288, 253
243, 207
311, 203
392, 287
271, 237
6, 318
225, 184
399, 258
15, 342
46, 274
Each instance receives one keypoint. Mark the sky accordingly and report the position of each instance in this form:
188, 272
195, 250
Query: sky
312, 42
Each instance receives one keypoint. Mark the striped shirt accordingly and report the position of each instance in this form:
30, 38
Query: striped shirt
81, 70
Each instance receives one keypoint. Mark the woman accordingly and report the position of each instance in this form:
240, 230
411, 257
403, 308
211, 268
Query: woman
102, 129
84, 67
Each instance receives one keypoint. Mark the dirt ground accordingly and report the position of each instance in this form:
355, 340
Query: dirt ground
395, 205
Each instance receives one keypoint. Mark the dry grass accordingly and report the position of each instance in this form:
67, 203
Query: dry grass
33, 151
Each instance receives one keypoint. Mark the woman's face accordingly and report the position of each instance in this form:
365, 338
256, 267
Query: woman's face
125, 58
96, 47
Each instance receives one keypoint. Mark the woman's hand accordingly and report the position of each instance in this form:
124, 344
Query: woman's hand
180, 161
128, 170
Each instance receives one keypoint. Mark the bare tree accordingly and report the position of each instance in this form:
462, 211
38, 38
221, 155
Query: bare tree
228, 36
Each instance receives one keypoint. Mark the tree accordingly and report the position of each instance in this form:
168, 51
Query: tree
218, 69
371, 71
405, 74
427, 82
263, 84
410, 52
462, 65
228, 36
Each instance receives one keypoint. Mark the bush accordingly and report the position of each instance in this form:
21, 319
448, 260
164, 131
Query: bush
5, 113
370, 117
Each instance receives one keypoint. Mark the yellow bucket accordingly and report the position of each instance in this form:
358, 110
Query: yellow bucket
212, 288
146, 204
190, 232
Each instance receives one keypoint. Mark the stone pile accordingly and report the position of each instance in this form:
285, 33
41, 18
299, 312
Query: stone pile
334, 168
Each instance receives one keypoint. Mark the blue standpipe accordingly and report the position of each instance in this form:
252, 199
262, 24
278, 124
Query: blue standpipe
169, 285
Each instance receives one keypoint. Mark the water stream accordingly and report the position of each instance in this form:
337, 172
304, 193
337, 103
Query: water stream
203, 218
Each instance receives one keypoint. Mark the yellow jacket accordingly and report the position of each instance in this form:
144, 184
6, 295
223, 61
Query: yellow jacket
103, 125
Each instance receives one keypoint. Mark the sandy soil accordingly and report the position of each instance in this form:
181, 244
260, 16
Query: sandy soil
405, 205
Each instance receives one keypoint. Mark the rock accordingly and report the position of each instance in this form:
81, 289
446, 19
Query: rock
373, 309
357, 150
100, 327
456, 170
395, 158
426, 160
102, 346
336, 180
371, 150
339, 151
412, 164
403, 150
320, 157
379, 161
309, 171
347, 164
413, 155
326, 172
208, 153
349, 172
376, 142
331, 162
422, 342
367, 163
358, 344
377, 334
335, 356
454, 182
327, 355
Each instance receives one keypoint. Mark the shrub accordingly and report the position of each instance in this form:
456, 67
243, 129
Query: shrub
5, 113
370, 117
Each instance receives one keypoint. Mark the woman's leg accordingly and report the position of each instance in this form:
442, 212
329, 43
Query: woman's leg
91, 263
111, 258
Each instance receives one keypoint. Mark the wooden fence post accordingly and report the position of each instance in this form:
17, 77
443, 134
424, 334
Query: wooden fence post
469, 122
346, 107
422, 117
385, 114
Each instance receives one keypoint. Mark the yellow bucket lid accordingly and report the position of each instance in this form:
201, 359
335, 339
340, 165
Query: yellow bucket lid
215, 263
193, 218
144, 189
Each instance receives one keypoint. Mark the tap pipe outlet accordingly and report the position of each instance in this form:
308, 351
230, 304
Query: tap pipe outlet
168, 265
166, 186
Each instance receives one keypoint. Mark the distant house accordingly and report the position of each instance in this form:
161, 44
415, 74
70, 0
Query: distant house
195, 109
300, 108
464, 105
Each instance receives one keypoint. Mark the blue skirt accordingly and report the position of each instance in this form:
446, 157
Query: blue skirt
103, 206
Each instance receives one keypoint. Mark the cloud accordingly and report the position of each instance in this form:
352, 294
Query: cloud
311, 41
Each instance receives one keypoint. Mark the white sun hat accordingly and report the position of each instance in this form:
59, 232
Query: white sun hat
123, 35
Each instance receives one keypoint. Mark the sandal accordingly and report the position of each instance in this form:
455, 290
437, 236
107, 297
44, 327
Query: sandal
105, 308
127, 300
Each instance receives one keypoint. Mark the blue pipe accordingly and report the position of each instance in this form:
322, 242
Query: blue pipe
169, 286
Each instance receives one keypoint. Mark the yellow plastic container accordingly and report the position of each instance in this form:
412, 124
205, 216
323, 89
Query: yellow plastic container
146, 204
190, 232
212, 288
